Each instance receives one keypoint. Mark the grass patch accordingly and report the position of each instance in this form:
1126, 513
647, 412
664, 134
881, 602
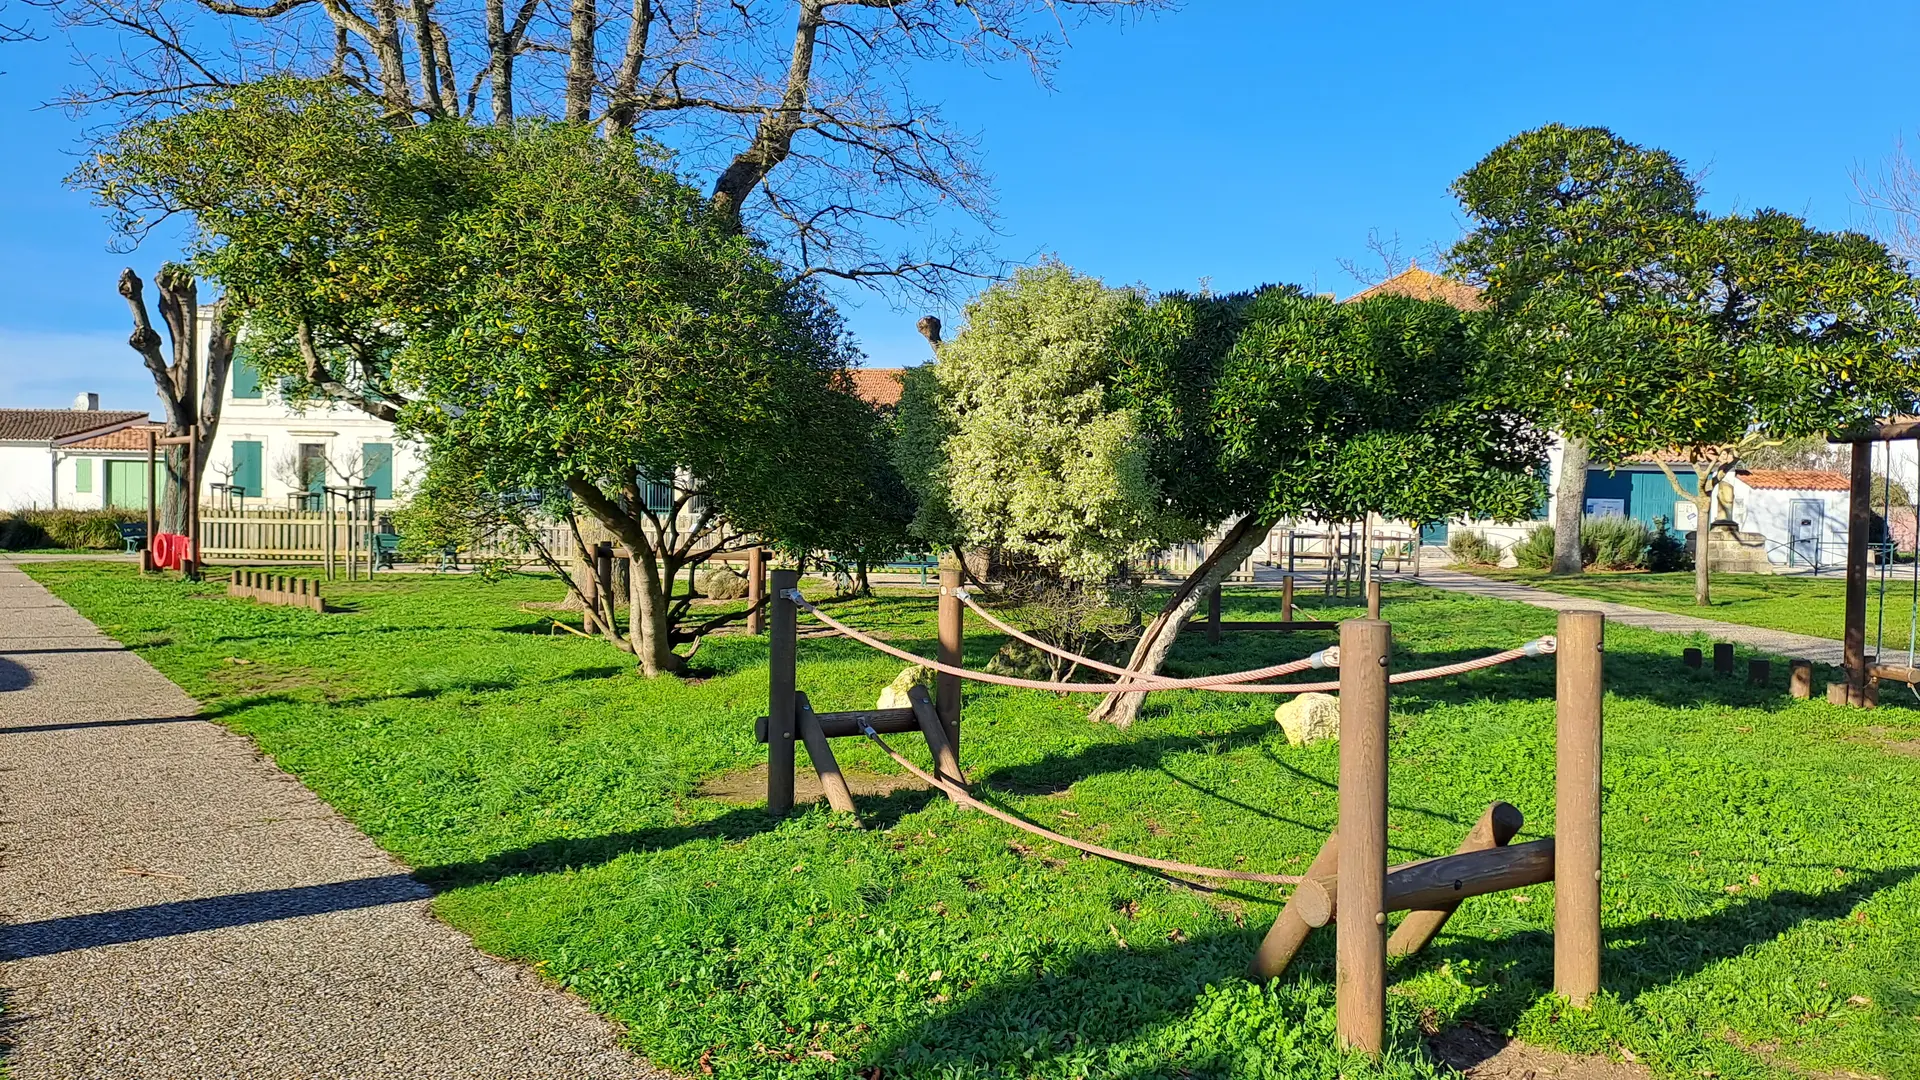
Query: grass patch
1762, 912
1802, 605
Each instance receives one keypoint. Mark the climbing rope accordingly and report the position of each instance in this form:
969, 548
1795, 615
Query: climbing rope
1235, 682
966, 798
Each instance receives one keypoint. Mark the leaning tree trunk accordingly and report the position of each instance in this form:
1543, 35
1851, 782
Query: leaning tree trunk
1150, 652
1703, 513
1570, 507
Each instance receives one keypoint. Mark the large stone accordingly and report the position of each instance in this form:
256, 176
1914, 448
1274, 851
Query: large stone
894, 695
1309, 718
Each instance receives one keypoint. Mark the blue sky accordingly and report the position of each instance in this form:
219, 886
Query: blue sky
1233, 142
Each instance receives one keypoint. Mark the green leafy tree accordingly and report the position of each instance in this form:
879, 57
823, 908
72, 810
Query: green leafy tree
1016, 441
1571, 226
1276, 404
1765, 330
598, 329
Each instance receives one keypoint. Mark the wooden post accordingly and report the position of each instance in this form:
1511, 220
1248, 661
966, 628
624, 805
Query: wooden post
1286, 588
603, 573
1837, 693
1691, 657
1859, 524
153, 505
1213, 615
190, 566
590, 592
1723, 658
953, 630
1373, 599
1579, 692
1289, 931
1759, 672
756, 590
782, 646
1801, 684
834, 785
1494, 829
1360, 986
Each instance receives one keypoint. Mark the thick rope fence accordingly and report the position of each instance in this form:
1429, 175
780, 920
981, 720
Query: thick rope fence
1350, 874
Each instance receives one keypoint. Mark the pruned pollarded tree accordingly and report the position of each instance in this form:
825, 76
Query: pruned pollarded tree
1571, 225
1275, 405
1765, 330
802, 115
190, 399
601, 330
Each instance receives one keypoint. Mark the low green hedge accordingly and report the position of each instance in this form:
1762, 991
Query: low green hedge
80, 530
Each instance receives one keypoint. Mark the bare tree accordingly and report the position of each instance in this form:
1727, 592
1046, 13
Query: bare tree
802, 112
1892, 197
191, 400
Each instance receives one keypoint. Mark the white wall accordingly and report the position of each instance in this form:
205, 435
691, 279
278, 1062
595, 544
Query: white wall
26, 476
1767, 511
71, 497
280, 431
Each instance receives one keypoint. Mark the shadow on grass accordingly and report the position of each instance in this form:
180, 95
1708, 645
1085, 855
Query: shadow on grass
579, 853
1103, 1000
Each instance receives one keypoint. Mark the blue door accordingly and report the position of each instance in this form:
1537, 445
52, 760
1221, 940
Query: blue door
1434, 532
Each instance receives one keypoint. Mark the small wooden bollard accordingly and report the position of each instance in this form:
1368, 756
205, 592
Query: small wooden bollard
756, 590
1837, 693
1360, 983
782, 645
1213, 615
953, 632
1723, 658
1801, 683
1373, 599
1580, 693
1286, 598
1759, 672
1691, 657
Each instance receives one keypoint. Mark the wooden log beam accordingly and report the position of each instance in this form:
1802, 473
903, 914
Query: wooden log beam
1433, 883
1496, 828
1289, 931
846, 725
946, 763
1200, 626
839, 796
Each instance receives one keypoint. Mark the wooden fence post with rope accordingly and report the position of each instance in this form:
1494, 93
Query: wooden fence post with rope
1350, 873
953, 633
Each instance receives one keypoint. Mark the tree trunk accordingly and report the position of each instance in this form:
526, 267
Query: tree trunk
1570, 507
1150, 652
648, 627
1703, 504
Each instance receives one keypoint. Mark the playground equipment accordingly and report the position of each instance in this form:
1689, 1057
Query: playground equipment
1349, 882
181, 554
1864, 671
276, 589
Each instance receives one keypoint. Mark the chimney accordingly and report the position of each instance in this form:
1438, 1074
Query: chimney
86, 402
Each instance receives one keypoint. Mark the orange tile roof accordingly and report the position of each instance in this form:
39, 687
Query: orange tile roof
877, 386
1794, 479
127, 438
1425, 285
47, 425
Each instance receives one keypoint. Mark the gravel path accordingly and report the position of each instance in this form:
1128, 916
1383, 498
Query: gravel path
1776, 642
176, 906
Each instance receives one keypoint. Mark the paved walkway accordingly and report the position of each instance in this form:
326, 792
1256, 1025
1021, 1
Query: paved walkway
1777, 642
176, 906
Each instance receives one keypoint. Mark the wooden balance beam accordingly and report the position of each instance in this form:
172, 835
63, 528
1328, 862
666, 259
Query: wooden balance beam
1436, 884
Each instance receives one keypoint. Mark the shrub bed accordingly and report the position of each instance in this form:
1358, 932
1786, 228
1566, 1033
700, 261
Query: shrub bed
80, 530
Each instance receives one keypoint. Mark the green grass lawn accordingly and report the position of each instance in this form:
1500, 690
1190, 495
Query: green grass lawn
1803, 605
1762, 913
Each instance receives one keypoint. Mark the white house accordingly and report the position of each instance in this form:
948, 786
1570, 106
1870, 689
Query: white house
72, 458
1800, 515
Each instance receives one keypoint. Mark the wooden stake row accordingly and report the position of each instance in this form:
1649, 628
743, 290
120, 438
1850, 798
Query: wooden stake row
276, 589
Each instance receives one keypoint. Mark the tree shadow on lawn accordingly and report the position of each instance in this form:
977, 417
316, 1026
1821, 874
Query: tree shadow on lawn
1108, 998
876, 812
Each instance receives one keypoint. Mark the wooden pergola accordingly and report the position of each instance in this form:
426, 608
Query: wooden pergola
1859, 524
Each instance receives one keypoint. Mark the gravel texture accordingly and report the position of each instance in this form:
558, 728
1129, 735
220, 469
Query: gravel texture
176, 906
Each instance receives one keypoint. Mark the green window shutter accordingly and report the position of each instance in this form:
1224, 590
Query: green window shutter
244, 377
377, 461
83, 475
246, 467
